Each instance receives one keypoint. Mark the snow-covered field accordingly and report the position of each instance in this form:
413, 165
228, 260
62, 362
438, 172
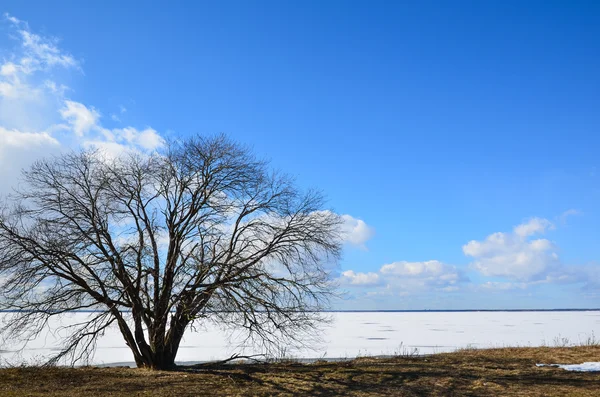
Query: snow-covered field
368, 333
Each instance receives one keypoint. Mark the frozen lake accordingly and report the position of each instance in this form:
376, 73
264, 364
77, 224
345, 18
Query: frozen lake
353, 334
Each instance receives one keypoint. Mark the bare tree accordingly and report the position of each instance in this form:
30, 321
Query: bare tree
157, 244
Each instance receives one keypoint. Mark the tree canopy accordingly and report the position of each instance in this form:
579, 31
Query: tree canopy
156, 243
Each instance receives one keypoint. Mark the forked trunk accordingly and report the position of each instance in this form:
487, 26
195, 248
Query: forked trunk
161, 360
162, 356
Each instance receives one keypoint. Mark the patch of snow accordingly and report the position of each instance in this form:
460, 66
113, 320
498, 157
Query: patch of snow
585, 367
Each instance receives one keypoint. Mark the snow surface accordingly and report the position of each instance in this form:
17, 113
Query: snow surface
585, 367
355, 334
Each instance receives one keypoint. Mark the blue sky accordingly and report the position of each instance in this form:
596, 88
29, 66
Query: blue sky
437, 127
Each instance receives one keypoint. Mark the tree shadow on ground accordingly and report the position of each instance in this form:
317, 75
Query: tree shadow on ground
415, 376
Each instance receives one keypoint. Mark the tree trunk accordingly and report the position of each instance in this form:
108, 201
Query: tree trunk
162, 362
162, 356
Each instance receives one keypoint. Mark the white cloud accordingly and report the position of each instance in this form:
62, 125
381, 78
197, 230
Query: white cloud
8, 90
412, 269
433, 273
362, 279
118, 141
515, 255
36, 116
79, 116
148, 138
533, 226
18, 139
18, 149
39, 53
521, 256
45, 51
403, 278
110, 149
12, 84
356, 231
8, 69
501, 286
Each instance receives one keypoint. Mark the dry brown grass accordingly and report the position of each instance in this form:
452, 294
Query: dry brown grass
495, 372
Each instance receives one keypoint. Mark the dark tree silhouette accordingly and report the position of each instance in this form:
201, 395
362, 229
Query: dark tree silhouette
156, 244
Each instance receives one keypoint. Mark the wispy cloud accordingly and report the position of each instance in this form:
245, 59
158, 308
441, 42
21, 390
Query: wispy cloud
38, 52
36, 115
562, 218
